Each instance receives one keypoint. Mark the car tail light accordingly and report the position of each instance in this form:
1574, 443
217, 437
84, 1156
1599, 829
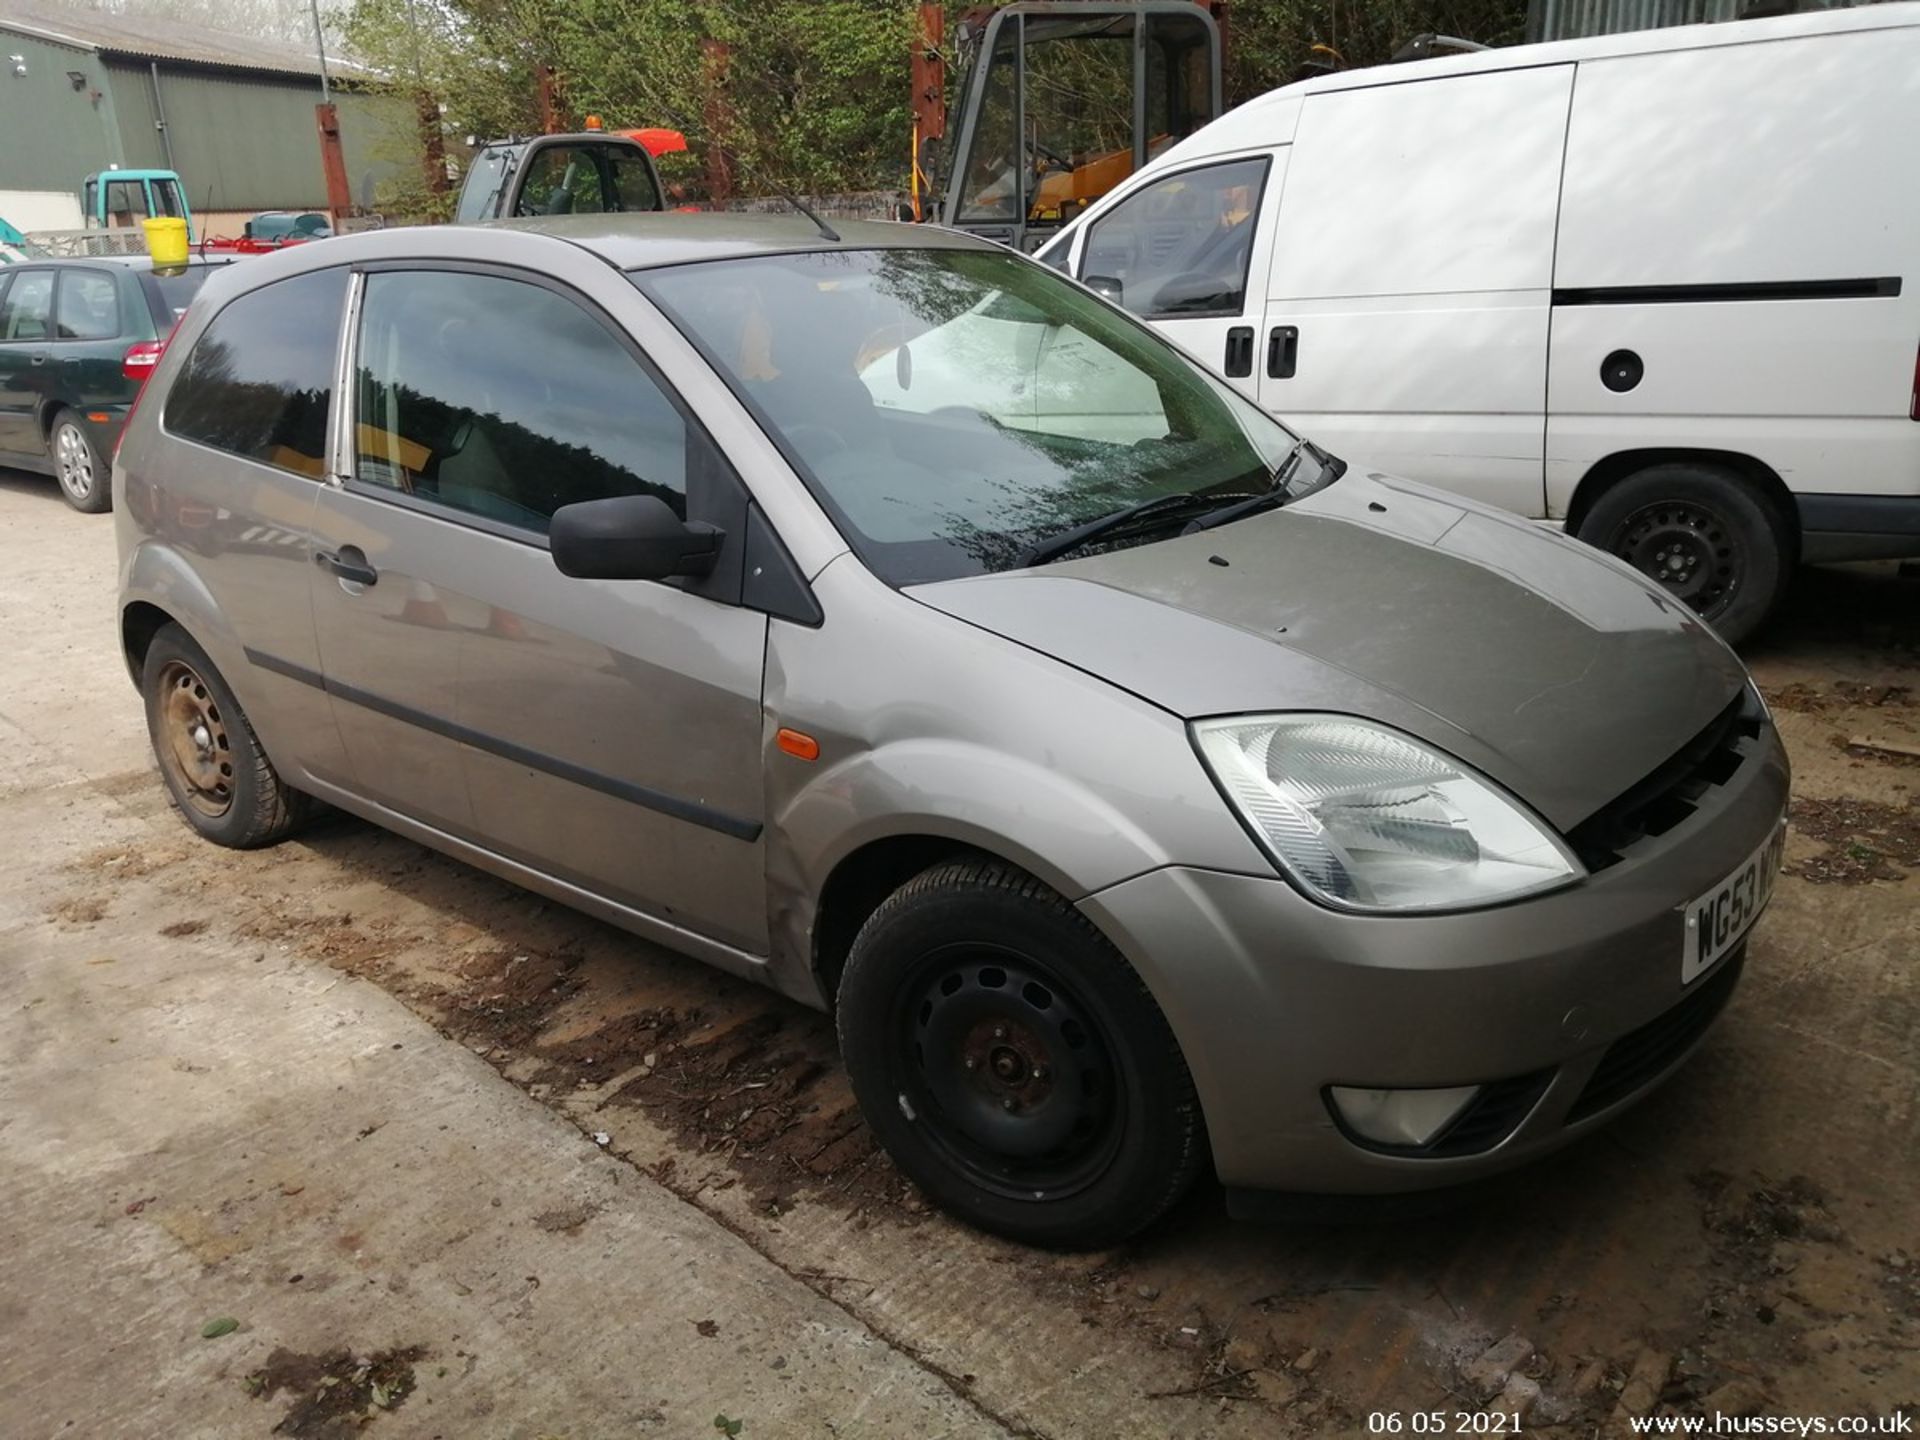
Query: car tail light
140, 359
137, 364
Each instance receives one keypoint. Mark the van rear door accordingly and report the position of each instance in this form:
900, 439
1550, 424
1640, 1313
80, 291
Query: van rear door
1412, 274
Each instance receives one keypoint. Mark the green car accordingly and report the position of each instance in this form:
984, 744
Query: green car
77, 340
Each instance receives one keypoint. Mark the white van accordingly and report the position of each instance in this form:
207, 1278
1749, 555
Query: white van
1657, 286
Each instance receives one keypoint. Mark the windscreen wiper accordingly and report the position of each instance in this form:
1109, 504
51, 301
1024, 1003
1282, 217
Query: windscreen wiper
1160, 506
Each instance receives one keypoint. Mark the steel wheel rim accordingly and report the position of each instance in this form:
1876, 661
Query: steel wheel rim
1007, 1072
1690, 550
193, 743
73, 460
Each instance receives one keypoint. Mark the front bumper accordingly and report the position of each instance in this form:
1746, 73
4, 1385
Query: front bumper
1273, 997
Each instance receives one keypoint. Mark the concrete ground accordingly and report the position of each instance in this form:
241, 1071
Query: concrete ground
462, 1163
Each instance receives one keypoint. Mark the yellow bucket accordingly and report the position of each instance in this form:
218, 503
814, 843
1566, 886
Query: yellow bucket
166, 240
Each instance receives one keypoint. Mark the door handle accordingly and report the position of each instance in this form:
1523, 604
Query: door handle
1239, 351
1283, 351
39, 359
350, 564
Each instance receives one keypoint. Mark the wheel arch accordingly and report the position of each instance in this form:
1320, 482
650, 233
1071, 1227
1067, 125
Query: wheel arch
140, 621
861, 881
1605, 473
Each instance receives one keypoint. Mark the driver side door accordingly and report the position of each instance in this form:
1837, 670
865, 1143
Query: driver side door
1189, 252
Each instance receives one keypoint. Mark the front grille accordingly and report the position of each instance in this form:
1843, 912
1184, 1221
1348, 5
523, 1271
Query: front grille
1496, 1112
1672, 792
1637, 1058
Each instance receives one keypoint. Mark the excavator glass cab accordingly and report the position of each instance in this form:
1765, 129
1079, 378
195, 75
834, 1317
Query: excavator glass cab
1064, 99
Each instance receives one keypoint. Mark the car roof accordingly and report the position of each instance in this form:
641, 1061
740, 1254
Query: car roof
648, 239
124, 262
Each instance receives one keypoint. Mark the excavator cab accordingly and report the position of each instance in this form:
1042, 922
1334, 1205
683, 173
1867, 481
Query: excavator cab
1063, 99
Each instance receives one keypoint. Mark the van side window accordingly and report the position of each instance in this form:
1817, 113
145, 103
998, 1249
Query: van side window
503, 399
260, 376
1182, 245
88, 307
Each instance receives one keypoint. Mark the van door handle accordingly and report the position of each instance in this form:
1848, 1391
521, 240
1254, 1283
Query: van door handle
1283, 351
350, 564
1239, 351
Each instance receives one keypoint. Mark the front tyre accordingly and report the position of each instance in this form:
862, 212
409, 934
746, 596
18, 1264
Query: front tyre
1013, 1064
85, 479
1705, 535
219, 777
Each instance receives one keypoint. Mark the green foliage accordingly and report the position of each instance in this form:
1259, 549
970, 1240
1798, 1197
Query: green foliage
815, 95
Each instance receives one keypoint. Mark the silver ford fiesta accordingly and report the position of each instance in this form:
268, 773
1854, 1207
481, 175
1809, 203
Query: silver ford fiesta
880, 616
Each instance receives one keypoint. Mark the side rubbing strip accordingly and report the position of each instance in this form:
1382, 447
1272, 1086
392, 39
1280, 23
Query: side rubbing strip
688, 810
1873, 288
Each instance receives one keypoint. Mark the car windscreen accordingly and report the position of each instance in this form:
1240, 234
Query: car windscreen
170, 292
951, 408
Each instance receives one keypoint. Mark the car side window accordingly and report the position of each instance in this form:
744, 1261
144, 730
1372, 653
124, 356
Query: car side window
504, 399
1181, 245
260, 377
27, 313
87, 307
563, 180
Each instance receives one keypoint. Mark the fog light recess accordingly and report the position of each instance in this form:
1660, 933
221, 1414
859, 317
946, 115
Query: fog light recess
1400, 1119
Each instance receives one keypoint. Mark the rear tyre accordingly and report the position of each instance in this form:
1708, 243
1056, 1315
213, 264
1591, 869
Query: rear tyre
1706, 535
86, 481
1013, 1064
219, 777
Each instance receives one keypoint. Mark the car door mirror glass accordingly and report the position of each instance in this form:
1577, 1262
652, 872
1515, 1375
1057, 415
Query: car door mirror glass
1107, 288
630, 537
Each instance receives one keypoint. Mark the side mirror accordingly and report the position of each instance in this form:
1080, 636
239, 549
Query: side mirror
1106, 287
630, 537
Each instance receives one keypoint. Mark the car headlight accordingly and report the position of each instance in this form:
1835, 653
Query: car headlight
1367, 818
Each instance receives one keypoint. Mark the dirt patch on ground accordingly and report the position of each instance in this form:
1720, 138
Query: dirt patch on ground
334, 1394
180, 929
761, 1088
358, 948
1810, 699
1863, 840
79, 910
128, 862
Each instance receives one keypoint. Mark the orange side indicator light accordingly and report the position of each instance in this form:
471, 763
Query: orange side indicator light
798, 745
99, 417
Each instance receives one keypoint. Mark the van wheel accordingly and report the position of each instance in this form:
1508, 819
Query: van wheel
85, 480
1706, 535
214, 768
1013, 1064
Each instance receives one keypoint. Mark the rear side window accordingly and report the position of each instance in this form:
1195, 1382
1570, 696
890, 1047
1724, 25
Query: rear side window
260, 376
27, 312
1182, 245
88, 307
505, 400
169, 295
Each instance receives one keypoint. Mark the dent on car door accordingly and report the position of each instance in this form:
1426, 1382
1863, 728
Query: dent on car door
605, 733
1189, 252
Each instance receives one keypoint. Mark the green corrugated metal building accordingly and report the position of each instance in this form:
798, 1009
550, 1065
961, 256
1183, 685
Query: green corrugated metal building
83, 91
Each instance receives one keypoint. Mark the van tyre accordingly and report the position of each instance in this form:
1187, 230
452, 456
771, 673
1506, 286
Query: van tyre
219, 777
1706, 535
1013, 1064
86, 481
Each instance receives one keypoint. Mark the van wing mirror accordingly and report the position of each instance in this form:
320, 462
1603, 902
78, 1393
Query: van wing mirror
630, 537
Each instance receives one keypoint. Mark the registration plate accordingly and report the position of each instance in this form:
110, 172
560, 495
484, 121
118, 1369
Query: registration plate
1720, 919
